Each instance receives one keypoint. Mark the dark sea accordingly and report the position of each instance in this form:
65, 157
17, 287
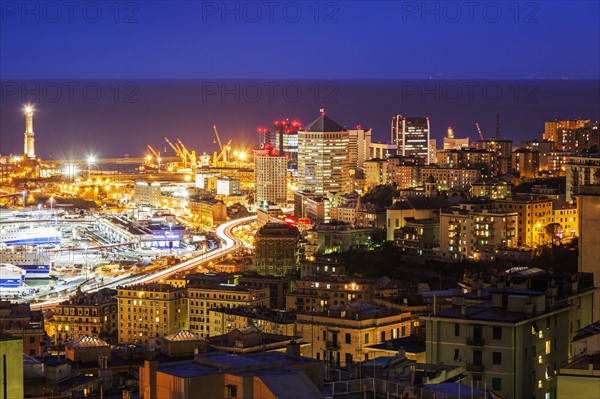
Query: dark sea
107, 118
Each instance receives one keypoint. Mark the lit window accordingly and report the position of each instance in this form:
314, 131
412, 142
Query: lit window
547, 347
541, 334
540, 384
540, 360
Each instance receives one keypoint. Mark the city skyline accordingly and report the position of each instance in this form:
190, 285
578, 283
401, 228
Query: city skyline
74, 127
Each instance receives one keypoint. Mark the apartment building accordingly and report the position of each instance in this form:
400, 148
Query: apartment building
321, 293
150, 311
340, 335
534, 214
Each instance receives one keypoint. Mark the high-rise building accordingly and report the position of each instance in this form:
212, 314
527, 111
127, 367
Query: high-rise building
285, 136
323, 159
270, 181
29, 145
411, 135
359, 144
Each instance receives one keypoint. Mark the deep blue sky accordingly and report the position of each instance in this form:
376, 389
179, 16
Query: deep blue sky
331, 49
352, 39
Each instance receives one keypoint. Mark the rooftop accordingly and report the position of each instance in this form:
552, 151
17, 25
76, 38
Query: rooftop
324, 124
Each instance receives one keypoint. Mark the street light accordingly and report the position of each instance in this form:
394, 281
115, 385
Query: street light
51, 201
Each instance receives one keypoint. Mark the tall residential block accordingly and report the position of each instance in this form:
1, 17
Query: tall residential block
270, 182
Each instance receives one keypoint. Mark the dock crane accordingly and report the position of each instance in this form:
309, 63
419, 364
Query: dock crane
154, 152
179, 151
479, 131
222, 155
189, 155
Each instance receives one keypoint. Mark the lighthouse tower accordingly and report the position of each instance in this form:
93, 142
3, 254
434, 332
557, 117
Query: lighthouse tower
29, 145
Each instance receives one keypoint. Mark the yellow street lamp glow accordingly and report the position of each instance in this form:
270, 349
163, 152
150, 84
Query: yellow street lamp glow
28, 108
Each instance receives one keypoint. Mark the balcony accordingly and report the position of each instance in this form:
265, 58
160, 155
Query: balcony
332, 345
474, 341
475, 368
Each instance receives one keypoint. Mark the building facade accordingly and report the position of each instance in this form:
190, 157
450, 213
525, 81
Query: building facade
149, 311
323, 157
411, 135
270, 182
276, 249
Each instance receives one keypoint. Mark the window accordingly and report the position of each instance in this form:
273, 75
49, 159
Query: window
497, 384
231, 391
382, 336
497, 332
547, 347
456, 329
348, 338
497, 358
31, 340
540, 360
366, 338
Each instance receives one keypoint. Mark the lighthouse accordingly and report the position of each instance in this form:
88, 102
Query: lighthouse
29, 145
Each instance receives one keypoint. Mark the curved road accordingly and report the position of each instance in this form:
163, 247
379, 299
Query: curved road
224, 232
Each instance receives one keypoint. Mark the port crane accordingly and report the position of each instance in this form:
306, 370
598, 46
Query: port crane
179, 151
222, 155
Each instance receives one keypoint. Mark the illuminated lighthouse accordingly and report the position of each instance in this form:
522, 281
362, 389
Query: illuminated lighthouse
29, 145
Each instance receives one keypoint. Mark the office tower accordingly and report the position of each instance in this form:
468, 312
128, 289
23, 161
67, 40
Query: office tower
270, 182
323, 160
359, 144
411, 135
285, 140
29, 145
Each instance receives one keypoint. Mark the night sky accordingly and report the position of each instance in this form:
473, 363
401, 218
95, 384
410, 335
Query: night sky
286, 41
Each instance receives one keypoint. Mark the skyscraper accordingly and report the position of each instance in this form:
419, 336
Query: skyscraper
411, 135
29, 144
270, 180
323, 161
359, 143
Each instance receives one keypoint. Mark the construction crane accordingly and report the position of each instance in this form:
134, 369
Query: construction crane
479, 131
